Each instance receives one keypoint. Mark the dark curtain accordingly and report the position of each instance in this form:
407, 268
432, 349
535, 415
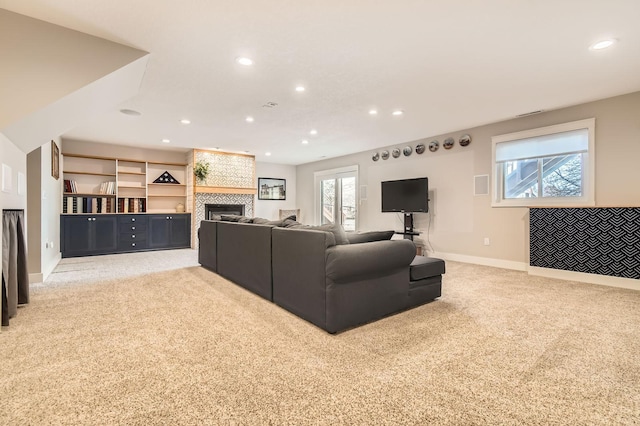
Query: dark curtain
15, 275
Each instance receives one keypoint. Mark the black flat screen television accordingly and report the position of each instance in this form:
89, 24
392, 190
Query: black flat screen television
406, 196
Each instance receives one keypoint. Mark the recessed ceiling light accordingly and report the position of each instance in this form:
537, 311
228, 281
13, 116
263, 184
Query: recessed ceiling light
130, 112
373, 112
603, 44
267, 154
185, 121
305, 142
398, 112
249, 119
244, 61
300, 89
313, 132
166, 140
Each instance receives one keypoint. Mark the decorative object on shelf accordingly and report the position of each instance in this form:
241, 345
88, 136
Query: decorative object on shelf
166, 178
375, 157
201, 171
420, 148
395, 152
465, 140
448, 143
385, 155
272, 189
407, 151
180, 208
433, 146
55, 160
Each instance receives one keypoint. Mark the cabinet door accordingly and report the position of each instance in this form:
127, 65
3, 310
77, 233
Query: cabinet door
159, 231
105, 233
180, 230
76, 235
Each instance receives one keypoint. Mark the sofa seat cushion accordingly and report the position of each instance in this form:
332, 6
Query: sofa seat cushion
425, 267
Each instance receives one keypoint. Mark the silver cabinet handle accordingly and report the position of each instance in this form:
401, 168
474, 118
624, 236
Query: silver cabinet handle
133, 244
89, 219
133, 228
133, 219
167, 217
133, 236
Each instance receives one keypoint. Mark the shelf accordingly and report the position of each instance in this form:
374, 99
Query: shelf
132, 173
133, 180
87, 194
91, 157
159, 163
88, 173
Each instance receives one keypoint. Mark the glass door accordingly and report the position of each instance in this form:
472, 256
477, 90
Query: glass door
337, 198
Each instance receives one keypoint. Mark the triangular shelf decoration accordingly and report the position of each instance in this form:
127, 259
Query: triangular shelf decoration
166, 178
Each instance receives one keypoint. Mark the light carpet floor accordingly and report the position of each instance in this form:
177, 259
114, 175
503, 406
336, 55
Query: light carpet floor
186, 347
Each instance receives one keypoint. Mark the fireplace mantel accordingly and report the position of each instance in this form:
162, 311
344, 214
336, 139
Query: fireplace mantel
224, 190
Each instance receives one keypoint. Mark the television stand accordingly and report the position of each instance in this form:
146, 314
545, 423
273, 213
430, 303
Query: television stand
408, 231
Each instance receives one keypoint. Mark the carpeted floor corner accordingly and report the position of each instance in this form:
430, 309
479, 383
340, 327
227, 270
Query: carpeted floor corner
185, 346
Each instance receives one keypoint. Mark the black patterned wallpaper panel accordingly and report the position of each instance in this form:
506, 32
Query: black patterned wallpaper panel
604, 241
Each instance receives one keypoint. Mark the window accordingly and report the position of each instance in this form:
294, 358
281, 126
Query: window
336, 197
547, 166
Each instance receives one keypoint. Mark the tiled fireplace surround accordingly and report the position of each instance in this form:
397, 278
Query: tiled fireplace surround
202, 199
227, 172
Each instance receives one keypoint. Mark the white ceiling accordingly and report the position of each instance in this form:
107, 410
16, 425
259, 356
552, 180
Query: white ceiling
449, 65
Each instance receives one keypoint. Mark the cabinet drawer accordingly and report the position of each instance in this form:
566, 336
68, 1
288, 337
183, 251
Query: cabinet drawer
132, 219
133, 236
133, 227
132, 245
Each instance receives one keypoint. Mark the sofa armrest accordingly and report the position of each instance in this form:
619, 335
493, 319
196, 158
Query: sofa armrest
378, 258
208, 244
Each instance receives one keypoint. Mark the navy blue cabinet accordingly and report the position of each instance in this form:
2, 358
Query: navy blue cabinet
169, 230
86, 235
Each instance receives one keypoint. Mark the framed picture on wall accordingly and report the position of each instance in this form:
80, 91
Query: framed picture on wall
55, 160
272, 189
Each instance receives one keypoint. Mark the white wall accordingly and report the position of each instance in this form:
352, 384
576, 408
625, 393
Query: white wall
17, 161
269, 208
459, 221
12, 156
51, 192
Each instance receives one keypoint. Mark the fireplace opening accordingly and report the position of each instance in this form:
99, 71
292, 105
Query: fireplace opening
220, 209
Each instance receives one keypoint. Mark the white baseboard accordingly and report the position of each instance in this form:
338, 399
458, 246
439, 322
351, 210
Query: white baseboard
486, 261
543, 272
52, 265
585, 278
40, 277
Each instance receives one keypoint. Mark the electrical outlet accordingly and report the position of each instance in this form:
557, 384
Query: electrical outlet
46, 245
487, 241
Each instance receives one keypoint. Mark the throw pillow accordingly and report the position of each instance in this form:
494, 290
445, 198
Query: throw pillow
365, 237
335, 229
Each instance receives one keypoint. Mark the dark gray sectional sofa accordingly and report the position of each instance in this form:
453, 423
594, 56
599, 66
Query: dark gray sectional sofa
302, 269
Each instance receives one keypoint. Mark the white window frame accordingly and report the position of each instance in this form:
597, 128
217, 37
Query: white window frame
341, 172
588, 168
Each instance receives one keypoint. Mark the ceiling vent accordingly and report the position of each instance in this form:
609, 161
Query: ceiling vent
526, 114
270, 105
